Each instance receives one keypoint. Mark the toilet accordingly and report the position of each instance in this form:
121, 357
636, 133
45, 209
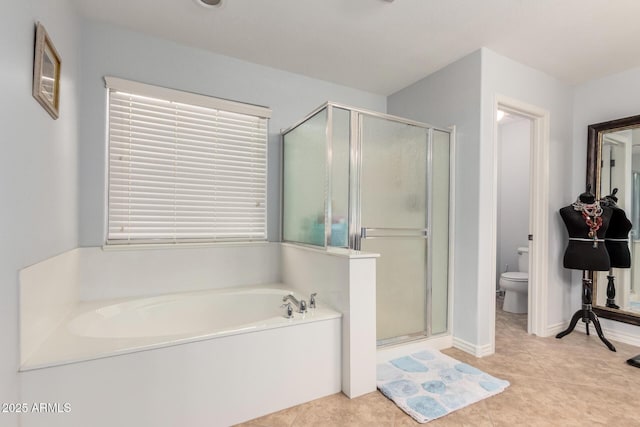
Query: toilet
515, 284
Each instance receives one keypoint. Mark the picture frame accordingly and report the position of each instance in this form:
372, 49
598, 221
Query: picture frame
46, 73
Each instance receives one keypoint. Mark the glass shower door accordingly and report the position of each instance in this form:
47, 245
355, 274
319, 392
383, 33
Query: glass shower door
393, 222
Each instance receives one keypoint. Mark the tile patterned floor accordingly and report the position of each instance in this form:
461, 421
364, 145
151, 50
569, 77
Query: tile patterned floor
575, 381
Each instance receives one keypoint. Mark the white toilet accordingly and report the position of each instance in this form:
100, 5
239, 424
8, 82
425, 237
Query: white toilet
515, 284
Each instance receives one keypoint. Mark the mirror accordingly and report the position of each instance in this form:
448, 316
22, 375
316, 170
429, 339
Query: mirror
613, 162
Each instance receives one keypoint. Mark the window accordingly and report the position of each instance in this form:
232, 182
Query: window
184, 167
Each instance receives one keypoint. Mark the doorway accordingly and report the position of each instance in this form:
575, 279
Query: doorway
538, 236
513, 217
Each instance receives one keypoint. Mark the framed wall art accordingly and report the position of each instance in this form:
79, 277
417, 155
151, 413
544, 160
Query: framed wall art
46, 73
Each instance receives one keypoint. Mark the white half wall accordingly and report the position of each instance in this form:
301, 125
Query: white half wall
346, 281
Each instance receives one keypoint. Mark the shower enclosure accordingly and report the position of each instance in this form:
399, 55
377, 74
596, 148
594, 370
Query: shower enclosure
377, 183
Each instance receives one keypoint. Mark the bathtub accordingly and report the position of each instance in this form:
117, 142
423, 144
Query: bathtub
107, 328
210, 358
204, 314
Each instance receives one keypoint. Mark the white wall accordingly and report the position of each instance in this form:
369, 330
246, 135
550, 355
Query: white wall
514, 142
601, 100
38, 183
448, 97
505, 77
108, 50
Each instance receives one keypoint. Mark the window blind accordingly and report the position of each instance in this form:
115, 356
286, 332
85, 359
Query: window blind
184, 172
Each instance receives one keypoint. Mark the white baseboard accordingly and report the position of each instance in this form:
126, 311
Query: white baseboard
476, 350
552, 330
610, 334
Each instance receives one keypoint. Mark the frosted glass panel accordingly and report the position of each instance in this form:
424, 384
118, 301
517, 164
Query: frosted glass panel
401, 290
439, 231
395, 189
393, 205
304, 181
340, 177
394, 168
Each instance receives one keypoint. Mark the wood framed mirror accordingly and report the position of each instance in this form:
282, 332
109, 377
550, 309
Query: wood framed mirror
613, 161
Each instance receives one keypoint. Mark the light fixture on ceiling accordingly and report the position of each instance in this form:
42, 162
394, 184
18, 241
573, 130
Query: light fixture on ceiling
209, 3
500, 115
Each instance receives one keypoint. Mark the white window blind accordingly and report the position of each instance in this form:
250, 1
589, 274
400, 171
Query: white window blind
184, 171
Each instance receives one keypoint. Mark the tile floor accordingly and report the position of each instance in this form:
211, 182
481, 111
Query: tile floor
575, 381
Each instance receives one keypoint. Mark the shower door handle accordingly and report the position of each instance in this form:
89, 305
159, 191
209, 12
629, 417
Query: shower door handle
366, 232
383, 233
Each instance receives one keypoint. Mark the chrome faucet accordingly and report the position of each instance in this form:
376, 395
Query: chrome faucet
289, 308
312, 300
300, 305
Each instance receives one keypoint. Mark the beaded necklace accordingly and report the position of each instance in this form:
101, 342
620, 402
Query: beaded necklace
592, 214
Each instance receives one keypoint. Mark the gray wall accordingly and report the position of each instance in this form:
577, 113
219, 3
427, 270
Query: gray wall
38, 182
448, 97
108, 50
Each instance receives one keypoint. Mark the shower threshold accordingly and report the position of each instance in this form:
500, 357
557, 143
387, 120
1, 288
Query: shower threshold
388, 342
409, 344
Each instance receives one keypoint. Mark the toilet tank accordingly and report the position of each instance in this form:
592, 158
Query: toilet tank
523, 259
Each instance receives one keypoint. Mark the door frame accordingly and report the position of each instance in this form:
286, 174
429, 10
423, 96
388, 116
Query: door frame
537, 318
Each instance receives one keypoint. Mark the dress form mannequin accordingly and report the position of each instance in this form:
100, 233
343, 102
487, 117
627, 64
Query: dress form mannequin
587, 222
617, 243
586, 249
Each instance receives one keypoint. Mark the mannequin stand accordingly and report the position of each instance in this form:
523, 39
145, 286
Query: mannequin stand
611, 291
586, 314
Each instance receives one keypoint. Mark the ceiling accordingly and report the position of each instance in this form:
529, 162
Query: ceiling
383, 46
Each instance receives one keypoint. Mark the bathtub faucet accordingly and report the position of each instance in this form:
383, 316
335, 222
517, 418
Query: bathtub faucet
312, 300
289, 308
300, 305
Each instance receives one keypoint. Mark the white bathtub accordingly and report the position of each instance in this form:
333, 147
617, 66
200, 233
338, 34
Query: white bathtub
211, 313
107, 328
217, 358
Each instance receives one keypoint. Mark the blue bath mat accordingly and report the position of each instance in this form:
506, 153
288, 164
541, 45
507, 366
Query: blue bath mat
428, 385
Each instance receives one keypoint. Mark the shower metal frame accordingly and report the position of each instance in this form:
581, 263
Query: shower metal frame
354, 196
